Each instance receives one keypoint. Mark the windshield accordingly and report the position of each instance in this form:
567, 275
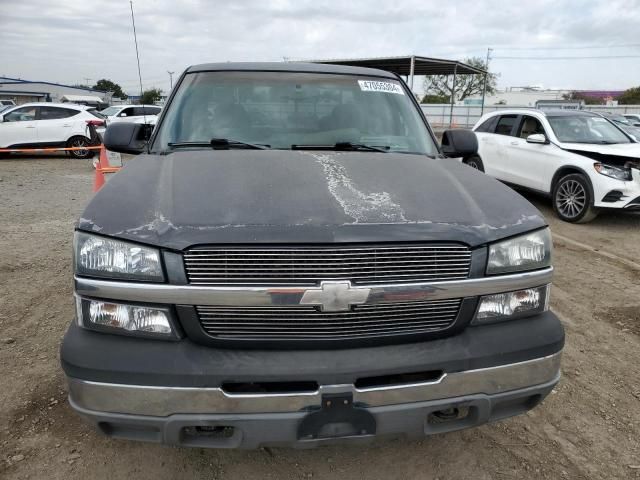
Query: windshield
110, 111
284, 110
584, 129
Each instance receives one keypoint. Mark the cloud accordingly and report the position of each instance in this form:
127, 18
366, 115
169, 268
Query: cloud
69, 41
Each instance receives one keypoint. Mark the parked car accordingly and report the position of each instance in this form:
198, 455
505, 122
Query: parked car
291, 261
623, 124
34, 125
132, 113
633, 118
583, 161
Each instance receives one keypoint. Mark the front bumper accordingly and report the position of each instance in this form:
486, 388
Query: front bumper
254, 430
174, 392
630, 191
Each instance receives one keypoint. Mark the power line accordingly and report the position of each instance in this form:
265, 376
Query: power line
571, 47
582, 57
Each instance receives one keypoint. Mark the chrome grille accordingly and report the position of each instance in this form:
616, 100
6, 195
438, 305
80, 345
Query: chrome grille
308, 322
310, 265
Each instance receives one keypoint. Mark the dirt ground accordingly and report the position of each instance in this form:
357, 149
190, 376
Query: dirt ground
588, 428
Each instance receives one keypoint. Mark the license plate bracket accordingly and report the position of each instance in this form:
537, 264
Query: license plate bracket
337, 417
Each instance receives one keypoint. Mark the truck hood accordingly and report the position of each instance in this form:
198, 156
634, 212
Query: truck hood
278, 196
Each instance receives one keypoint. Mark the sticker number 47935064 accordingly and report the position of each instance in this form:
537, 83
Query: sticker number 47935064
385, 87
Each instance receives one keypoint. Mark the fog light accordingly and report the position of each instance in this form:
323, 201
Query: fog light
127, 319
512, 305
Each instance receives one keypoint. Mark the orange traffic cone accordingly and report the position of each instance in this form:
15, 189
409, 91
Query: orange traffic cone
103, 162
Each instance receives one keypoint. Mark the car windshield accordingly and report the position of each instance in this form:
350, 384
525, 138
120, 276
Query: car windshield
110, 111
96, 113
284, 110
586, 129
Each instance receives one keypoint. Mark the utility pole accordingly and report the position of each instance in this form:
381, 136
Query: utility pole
170, 79
86, 80
484, 84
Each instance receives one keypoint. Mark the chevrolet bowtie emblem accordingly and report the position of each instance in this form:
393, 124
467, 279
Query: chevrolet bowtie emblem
335, 296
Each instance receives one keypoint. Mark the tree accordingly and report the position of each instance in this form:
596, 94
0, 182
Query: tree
630, 97
109, 86
431, 98
149, 97
466, 85
583, 98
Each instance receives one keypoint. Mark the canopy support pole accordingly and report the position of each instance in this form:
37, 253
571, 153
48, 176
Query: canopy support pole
411, 70
453, 95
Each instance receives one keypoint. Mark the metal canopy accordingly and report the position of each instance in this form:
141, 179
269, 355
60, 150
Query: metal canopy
403, 65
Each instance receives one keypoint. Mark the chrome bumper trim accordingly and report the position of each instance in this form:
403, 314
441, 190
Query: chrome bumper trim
164, 401
282, 296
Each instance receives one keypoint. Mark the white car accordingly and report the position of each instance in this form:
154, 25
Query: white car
580, 159
132, 113
634, 118
39, 125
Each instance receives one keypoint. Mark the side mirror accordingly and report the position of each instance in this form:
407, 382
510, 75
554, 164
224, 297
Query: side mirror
127, 137
538, 138
459, 143
122, 115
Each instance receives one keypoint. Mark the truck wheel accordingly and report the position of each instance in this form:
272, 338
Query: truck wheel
474, 161
573, 199
80, 142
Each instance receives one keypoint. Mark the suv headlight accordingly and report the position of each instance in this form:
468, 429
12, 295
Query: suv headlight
623, 174
107, 257
526, 252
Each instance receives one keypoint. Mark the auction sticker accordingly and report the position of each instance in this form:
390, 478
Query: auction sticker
385, 87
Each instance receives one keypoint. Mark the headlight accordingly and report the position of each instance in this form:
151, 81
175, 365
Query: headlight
526, 252
512, 305
122, 318
106, 257
623, 174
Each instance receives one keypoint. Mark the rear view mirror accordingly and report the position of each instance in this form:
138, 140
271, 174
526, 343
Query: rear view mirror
127, 137
537, 138
459, 143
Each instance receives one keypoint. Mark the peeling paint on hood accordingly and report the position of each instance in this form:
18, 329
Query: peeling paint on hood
362, 207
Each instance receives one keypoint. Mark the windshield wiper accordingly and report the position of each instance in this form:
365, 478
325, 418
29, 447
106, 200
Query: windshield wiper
344, 146
218, 144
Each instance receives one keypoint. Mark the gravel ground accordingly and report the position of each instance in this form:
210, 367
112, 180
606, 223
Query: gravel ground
588, 428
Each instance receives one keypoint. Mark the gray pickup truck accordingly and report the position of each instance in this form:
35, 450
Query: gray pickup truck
292, 259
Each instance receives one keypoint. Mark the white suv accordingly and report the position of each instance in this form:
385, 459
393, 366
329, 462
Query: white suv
582, 160
132, 113
34, 125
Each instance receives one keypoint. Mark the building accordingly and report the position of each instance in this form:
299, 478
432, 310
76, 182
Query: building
25, 91
529, 96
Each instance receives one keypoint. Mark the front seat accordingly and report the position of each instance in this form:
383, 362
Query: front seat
529, 127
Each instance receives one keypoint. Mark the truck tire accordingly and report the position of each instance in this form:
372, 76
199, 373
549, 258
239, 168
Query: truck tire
474, 161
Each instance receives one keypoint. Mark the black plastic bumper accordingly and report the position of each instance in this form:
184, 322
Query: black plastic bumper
101, 357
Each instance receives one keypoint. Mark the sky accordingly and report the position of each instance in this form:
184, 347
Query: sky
80, 41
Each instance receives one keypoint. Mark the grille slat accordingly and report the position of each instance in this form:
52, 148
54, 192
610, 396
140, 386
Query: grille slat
308, 322
311, 265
